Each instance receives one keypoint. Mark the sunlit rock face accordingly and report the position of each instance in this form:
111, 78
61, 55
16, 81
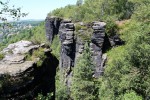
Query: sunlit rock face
52, 27
22, 78
96, 45
72, 45
67, 59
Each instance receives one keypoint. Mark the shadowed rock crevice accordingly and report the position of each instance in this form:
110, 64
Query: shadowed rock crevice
52, 27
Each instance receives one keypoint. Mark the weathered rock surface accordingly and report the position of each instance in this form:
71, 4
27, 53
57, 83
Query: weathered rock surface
72, 47
67, 59
97, 46
22, 79
52, 27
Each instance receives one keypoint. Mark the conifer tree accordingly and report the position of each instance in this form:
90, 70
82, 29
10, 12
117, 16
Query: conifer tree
82, 85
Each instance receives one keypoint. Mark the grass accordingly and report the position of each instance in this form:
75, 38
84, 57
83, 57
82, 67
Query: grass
38, 54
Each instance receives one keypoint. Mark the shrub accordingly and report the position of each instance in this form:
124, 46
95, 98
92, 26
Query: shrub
1, 56
111, 28
38, 55
82, 82
55, 46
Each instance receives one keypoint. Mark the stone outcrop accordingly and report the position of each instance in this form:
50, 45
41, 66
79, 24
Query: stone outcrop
116, 40
73, 46
79, 47
66, 33
21, 78
1, 37
96, 46
52, 27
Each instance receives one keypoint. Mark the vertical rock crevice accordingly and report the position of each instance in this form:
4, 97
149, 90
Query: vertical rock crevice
52, 27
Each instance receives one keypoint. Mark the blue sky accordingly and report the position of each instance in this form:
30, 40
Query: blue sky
38, 9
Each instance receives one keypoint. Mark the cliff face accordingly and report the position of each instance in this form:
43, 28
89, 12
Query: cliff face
72, 47
52, 27
97, 44
24, 78
67, 59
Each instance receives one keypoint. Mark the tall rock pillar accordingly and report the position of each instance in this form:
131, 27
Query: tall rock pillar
66, 33
52, 27
97, 46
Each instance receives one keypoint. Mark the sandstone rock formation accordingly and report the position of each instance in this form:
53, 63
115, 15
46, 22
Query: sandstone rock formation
52, 27
20, 77
97, 46
67, 59
72, 45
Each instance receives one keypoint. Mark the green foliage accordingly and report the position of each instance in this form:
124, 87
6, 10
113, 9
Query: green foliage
36, 35
86, 34
79, 27
37, 55
111, 28
128, 67
55, 46
1, 56
131, 96
66, 12
48, 97
62, 92
82, 81
92, 10
142, 9
7, 11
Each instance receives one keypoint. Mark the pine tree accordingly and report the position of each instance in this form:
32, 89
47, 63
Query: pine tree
83, 86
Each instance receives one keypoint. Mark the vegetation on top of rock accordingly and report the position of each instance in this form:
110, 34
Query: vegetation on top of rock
37, 55
1, 56
84, 32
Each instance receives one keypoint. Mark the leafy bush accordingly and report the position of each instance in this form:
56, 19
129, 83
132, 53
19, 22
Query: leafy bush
38, 55
82, 82
131, 96
128, 67
111, 28
48, 97
55, 46
1, 56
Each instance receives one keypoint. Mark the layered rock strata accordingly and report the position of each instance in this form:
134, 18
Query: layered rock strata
22, 78
96, 45
67, 59
52, 27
